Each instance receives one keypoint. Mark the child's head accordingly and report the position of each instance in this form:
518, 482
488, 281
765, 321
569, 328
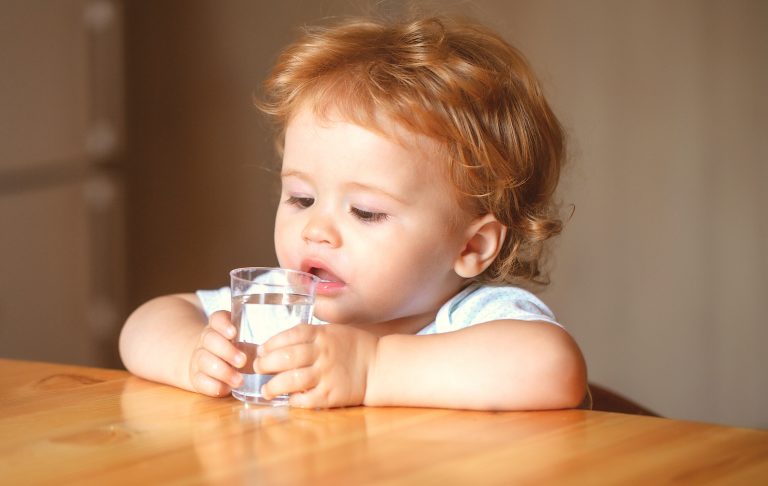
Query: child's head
455, 83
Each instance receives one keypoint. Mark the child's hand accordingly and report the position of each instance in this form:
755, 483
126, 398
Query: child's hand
319, 366
214, 363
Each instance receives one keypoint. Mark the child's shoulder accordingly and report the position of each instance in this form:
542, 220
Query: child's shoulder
480, 303
215, 300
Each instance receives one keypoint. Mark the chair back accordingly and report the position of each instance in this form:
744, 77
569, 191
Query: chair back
606, 400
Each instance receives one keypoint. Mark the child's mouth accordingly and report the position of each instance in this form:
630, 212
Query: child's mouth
324, 275
330, 284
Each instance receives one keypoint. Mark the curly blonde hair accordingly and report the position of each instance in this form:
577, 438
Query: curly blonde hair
457, 83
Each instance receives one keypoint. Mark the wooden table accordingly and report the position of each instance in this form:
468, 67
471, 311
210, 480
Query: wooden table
63, 424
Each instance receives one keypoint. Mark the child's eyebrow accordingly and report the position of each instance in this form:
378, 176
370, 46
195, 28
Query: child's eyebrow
377, 190
351, 185
293, 173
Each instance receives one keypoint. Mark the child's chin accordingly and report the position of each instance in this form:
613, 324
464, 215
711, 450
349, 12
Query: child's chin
328, 312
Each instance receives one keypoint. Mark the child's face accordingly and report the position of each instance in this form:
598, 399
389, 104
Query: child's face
370, 216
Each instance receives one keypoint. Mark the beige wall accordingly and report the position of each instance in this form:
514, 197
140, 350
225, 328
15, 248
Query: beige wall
61, 258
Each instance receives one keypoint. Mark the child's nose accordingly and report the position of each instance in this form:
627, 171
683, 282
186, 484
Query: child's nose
320, 228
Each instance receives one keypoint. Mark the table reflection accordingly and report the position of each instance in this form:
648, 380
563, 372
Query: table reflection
232, 439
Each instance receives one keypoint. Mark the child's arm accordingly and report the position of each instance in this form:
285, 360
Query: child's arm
500, 365
167, 340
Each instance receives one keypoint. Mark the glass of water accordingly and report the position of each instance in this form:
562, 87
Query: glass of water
266, 301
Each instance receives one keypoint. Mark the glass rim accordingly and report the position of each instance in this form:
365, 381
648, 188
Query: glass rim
233, 274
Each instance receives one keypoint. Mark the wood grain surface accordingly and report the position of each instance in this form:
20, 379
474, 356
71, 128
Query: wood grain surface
62, 424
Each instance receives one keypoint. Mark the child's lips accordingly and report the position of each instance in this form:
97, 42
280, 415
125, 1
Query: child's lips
329, 282
324, 275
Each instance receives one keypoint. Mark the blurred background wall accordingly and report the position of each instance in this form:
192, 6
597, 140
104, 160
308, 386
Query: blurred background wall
132, 164
62, 259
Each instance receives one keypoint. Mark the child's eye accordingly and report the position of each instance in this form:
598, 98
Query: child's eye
300, 202
368, 216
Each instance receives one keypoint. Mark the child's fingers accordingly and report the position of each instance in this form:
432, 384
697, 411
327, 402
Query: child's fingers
286, 358
303, 333
296, 380
218, 369
208, 386
314, 398
212, 341
221, 321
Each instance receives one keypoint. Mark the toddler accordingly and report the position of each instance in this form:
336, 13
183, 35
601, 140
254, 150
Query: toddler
419, 162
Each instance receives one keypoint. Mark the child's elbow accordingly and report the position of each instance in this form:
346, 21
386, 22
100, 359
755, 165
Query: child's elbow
126, 343
565, 372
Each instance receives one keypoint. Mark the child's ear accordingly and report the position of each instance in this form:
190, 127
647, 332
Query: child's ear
485, 237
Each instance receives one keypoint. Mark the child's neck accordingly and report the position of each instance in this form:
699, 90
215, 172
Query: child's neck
402, 325
411, 324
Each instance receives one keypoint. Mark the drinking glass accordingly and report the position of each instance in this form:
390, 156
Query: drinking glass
266, 301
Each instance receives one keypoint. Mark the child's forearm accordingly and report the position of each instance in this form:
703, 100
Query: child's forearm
501, 365
158, 338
